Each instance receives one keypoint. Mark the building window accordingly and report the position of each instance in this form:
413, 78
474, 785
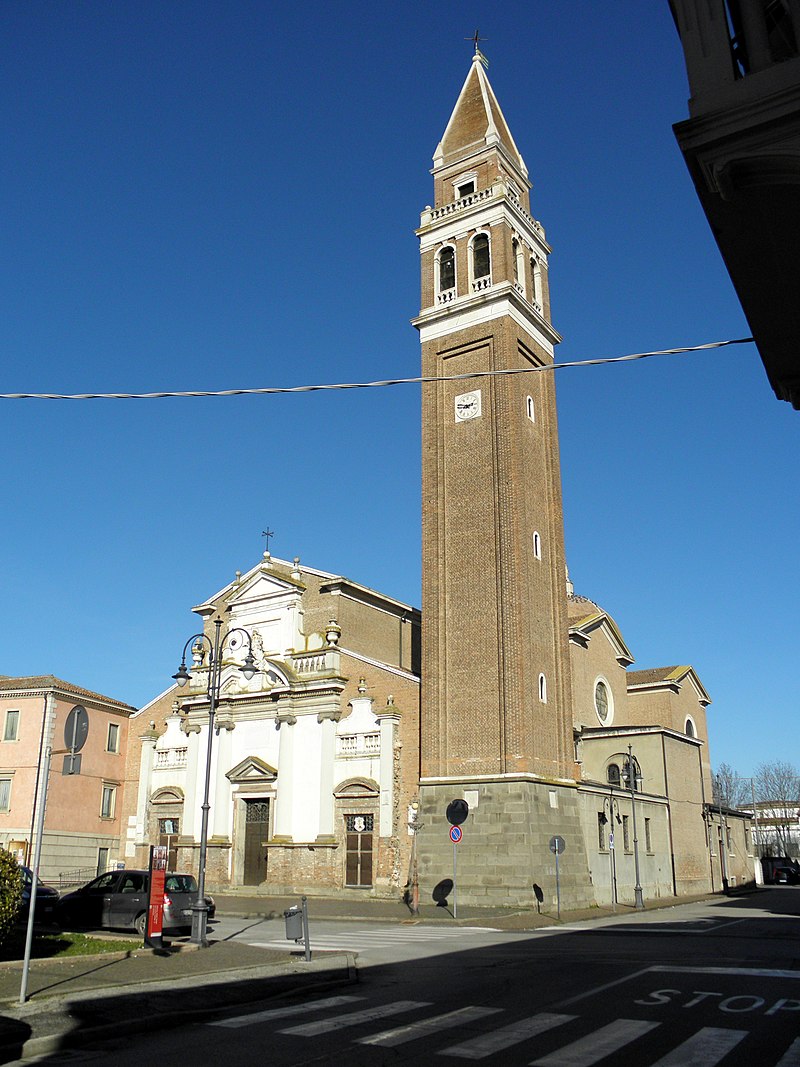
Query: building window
11, 729
690, 729
112, 740
601, 830
5, 794
530, 409
446, 266
537, 545
612, 774
626, 834
542, 689
465, 187
648, 841
108, 802
603, 702
481, 262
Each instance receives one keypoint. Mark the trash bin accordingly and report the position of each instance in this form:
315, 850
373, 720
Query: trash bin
294, 923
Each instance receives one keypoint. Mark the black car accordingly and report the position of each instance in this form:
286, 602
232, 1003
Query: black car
46, 899
119, 899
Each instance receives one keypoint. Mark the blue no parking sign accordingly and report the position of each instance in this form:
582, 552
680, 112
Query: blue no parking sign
455, 834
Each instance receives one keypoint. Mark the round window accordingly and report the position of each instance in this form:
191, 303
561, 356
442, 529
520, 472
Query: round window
602, 702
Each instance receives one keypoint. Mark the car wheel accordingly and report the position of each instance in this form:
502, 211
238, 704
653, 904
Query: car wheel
140, 925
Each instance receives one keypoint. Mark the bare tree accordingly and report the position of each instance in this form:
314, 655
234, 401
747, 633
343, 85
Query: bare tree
778, 793
730, 791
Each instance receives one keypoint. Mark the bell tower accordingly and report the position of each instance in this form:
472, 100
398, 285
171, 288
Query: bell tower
496, 719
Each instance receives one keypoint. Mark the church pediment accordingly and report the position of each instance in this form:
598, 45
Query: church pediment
265, 586
251, 769
582, 630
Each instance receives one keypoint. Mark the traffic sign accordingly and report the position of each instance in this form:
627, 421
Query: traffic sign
455, 834
457, 811
558, 844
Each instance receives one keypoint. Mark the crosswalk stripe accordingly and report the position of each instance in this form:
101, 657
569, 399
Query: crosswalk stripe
703, 1049
791, 1057
282, 1013
479, 1047
355, 1018
411, 1031
596, 1046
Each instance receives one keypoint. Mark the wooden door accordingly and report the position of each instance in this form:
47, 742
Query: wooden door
256, 832
358, 859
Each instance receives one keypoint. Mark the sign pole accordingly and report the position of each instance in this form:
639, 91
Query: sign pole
557, 846
455, 883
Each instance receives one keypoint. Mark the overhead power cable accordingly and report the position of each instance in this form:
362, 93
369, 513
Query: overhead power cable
273, 389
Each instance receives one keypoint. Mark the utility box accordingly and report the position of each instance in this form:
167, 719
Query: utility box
294, 923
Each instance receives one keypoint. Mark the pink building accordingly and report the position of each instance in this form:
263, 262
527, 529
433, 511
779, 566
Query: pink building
87, 735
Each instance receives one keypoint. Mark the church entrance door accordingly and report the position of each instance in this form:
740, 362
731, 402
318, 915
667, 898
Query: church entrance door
256, 831
358, 872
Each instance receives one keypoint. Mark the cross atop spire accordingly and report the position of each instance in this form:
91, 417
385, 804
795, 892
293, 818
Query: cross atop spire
476, 39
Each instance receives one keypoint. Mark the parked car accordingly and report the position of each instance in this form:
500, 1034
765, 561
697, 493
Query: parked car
779, 870
119, 899
46, 899
785, 874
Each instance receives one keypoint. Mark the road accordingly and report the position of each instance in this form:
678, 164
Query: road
692, 986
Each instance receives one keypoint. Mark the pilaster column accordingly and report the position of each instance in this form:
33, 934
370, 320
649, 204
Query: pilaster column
146, 761
327, 721
388, 721
222, 791
285, 781
190, 826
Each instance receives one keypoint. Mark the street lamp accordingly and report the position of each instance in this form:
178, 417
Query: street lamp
605, 819
182, 676
631, 774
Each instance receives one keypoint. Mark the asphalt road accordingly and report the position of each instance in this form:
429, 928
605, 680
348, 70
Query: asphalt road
693, 986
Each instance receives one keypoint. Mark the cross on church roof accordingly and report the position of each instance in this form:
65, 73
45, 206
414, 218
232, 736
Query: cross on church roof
266, 534
476, 39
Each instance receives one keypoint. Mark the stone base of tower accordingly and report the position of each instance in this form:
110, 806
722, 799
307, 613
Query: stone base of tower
505, 847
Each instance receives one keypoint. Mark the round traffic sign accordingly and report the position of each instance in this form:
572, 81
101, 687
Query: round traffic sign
76, 728
455, 834
557, 844
457, 811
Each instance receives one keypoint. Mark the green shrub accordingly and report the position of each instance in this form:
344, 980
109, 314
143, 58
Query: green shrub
10, 892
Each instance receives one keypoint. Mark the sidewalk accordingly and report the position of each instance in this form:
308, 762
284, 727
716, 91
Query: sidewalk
75, 1000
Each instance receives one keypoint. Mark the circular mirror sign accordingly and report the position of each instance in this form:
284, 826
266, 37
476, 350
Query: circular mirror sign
457, 811
76, 728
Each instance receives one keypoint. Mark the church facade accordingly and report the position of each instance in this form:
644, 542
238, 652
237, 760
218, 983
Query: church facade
332, 768
314, 760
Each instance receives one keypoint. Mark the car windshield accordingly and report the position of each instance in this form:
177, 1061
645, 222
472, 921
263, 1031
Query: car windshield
180, 883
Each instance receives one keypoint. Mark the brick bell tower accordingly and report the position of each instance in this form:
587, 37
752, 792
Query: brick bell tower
496, 717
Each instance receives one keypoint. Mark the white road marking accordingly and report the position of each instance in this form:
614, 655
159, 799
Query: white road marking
282, 1013
790, 1058
411, 1031
597, 1045
479, 1048
703, 1049
355, 1018
747, 972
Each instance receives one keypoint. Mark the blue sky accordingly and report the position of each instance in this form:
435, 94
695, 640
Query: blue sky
206, 195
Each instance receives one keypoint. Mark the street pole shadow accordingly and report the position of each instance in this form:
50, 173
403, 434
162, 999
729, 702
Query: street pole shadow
441, 892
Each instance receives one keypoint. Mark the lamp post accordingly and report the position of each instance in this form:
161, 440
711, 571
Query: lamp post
630, 771
182, 676
605, 820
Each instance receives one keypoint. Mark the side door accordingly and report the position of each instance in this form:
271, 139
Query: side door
129, 898
94, 902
